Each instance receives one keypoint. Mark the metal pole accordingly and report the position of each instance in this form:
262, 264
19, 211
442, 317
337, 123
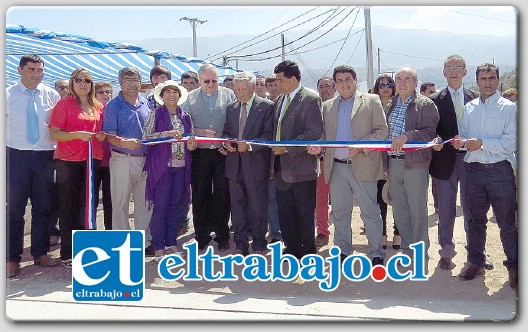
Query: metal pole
193, 21
283, 47
379, 62
368, 38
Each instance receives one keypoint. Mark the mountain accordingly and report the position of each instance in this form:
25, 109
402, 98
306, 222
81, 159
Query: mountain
421, 49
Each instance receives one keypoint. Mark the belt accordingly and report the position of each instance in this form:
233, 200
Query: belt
129, 154
461, 151
343, 161
397, 156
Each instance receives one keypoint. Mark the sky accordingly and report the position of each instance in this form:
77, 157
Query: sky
124, 23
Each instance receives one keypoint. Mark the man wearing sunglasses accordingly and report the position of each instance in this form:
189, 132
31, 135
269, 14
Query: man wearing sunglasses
447, 164
210, 192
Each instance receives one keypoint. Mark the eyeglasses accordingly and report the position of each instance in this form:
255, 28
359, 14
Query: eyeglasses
450, 68
209, 81
100, 92
386, 85
81, 80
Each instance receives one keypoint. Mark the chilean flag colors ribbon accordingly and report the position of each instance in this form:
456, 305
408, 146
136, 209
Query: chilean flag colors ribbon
90, 213
371, 145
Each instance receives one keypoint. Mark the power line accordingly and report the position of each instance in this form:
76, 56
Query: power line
411, 56
303, 36
265, 33
343, 45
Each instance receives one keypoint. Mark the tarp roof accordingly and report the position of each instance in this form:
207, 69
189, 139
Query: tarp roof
63, 53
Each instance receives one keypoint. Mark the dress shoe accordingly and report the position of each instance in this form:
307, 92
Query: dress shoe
149, 251
224, 246
445, 263
377, 261
384, 241
243, 252
321, 240
488, 265
396, 242
513, 274
45, 260
343, 257
13, 268
471, 272
274, 240
54, 240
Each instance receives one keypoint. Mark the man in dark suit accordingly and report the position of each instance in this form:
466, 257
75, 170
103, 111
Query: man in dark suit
247, 166
298, 117
447, 164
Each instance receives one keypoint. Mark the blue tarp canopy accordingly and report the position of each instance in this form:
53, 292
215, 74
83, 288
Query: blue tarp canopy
63, 53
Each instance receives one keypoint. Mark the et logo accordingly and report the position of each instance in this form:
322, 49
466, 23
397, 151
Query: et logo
108, 265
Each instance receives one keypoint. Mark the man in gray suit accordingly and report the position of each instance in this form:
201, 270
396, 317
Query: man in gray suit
247, 166
354, 116
210, 192
297, 118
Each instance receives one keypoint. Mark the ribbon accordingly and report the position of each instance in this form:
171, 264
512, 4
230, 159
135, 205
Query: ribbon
371, 145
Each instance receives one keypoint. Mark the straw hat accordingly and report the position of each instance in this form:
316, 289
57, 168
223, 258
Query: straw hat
385, 193
183, 91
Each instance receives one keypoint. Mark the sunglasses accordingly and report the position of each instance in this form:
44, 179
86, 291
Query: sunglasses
386, 85
209, 81
80, 80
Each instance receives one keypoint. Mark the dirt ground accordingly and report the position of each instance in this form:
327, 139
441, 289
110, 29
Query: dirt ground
442, 286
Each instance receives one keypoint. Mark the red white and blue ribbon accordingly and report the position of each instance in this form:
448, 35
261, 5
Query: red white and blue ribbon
90, 212
370, 145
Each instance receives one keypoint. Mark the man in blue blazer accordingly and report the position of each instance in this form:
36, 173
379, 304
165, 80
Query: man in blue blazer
247, 166
298, 117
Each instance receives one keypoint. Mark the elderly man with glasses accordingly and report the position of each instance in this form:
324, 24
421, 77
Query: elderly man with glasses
210, 192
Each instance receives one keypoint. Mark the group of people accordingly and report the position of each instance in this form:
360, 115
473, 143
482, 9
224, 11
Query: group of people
284, 189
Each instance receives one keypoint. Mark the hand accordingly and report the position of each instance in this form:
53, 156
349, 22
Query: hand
84, 135
398, 142
131, 144
313, 150
191, 143
242, 147
223, 151
228, 147
473, 144
100, 136
353, 152
279, 150
458, 142
438, 141
175, 134
209, 133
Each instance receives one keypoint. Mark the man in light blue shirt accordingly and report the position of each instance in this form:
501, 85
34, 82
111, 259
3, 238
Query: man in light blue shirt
489, 133
29, 152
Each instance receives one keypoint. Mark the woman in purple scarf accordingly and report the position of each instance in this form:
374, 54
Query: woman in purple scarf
168, 165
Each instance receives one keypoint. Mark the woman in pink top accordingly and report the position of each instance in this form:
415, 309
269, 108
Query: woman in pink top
75, 120
103, 93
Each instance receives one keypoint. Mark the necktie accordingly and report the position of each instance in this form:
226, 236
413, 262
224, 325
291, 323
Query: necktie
277, 138
243, 119
458, 107
32, 118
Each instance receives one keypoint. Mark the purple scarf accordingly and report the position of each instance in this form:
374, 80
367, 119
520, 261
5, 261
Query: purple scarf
159, 155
